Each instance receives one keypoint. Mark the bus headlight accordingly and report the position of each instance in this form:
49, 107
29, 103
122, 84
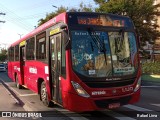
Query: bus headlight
138, 85
80, 90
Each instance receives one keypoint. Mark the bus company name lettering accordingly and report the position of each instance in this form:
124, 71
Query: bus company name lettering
127, 89
16, 68
33, 70
98, 92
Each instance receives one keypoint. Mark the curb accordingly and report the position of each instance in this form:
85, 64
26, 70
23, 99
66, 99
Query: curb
13, 95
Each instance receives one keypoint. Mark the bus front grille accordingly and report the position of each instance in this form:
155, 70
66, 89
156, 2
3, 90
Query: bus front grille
109, 84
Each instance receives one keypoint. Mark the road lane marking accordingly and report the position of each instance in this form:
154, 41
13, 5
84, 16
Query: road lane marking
116, 115
158, 105
141, 109
24, 95
77, 116
150, 86
133, 107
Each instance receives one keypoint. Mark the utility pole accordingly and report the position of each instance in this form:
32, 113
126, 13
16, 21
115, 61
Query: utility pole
1, 22
2, 14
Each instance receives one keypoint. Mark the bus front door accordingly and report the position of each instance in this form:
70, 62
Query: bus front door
55, 47
22, 63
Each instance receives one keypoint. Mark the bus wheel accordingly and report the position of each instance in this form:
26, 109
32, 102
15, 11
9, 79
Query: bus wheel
44, 96
17, 83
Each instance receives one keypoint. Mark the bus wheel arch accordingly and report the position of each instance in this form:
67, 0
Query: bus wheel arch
42, 91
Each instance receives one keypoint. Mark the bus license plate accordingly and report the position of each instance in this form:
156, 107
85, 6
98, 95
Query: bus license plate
114, 105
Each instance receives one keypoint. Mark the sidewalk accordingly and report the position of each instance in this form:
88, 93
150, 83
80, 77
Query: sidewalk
7, 101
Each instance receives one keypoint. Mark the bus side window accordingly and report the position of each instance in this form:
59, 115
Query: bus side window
63, 61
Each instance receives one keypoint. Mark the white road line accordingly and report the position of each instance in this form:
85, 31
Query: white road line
144, 110
107, 112
115, 114
23, 95
149, 86
133, 107
77, 116
158, 105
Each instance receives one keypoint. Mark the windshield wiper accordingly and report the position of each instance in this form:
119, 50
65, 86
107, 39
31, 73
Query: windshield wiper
101, 46
119, 41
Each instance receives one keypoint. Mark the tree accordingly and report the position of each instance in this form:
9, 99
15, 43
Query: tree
142, 12
3, 55
51, 15
82, 8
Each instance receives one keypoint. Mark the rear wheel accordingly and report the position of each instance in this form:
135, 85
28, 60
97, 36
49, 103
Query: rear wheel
17, 83
44, 95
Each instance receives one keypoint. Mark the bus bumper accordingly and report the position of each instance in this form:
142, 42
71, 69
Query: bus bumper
80, 104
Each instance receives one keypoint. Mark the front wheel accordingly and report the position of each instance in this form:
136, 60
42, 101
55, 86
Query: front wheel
44, 95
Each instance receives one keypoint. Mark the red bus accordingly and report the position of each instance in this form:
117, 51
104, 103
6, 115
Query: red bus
80, 60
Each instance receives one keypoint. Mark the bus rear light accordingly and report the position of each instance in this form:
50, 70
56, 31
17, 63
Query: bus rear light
80, 90
138, 85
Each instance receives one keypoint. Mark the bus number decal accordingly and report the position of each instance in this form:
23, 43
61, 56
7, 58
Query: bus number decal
98, 92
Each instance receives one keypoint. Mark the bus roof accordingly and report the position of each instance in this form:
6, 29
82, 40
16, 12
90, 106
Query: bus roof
62, 17
58, 18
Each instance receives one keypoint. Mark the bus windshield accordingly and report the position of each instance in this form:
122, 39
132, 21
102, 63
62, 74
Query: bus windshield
103, 54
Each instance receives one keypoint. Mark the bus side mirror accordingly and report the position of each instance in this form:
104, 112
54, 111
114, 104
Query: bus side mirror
63, 26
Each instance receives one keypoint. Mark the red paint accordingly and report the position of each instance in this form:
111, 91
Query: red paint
35, 70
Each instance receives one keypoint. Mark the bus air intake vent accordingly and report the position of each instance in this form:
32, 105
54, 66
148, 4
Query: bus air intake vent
109, 84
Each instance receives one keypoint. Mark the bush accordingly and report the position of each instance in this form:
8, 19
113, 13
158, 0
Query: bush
151, 67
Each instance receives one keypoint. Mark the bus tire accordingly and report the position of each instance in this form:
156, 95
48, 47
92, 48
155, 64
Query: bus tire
44, 96
17, 83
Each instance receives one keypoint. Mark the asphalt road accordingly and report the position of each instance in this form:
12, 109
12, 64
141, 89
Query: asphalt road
147, 108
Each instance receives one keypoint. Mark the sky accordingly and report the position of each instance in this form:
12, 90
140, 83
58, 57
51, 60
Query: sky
22, 16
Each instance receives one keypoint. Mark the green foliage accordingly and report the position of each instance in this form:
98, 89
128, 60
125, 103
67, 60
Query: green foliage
82, 8
138, 11
85, 8
51, 15
3, 55
151, 68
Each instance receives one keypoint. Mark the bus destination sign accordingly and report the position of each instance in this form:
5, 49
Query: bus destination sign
100, 20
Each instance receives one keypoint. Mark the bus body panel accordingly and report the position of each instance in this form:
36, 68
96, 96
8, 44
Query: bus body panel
34, 70
37, 71
77, 103
60, 18
13, 70
74, 102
